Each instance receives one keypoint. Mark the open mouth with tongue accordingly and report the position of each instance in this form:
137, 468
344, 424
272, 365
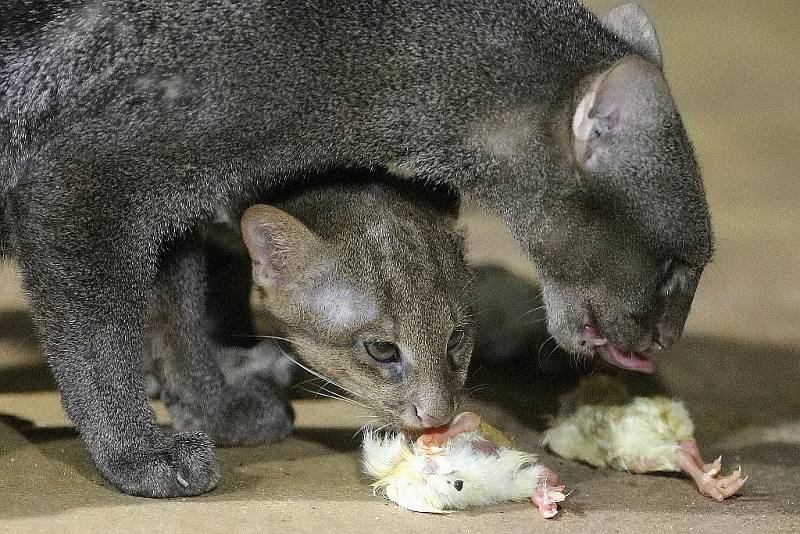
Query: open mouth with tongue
634, 361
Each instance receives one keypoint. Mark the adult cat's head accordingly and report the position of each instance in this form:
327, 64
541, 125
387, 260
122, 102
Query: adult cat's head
617, 222
622, 246
369, 284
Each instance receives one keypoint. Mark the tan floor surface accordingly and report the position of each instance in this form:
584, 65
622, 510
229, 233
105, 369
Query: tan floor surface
736, 75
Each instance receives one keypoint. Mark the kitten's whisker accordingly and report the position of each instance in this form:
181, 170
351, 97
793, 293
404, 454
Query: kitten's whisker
357, 432
320, 390
339, 395
362, 429
319, 375
323, 391
334, 397
304, 382
261, 336
381, 427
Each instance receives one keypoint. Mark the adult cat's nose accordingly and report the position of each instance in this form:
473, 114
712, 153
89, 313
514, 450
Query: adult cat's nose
432, 419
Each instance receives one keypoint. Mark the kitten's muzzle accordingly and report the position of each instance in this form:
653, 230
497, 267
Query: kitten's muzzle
417, 419
431, 420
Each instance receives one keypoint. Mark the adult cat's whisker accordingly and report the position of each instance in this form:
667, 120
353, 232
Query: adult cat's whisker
474, 301
537, 308
470, 282
535, 321
531, 311
551, 353
476, 314
475, 389
539, 353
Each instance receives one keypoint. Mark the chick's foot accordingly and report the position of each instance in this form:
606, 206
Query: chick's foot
707, 476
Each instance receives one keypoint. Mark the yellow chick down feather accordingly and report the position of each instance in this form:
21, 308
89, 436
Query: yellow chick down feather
640, 436
472, 469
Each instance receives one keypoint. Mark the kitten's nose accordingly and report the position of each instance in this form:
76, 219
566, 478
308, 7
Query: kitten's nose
430, 420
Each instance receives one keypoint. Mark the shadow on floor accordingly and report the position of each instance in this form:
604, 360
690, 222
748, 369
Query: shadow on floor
727, 384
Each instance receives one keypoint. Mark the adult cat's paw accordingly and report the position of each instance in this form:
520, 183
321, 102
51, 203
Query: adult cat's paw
183, 465
252, 412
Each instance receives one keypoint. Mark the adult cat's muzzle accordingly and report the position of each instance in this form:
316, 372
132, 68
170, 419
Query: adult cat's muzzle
626, 359
625, 332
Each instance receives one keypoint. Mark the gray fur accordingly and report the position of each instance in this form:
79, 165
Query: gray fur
631, 22
197, 372
123, 125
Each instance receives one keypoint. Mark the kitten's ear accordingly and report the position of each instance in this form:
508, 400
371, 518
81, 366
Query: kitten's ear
631, 22
622, 104
279, 245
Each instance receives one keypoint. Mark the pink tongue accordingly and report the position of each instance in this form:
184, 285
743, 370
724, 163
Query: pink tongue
627, 360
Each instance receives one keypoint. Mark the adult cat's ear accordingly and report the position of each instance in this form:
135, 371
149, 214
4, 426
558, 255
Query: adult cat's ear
631, 22
279, 244
617, 112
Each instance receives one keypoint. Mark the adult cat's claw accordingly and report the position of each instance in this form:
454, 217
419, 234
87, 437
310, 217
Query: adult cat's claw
181, 480
183, 466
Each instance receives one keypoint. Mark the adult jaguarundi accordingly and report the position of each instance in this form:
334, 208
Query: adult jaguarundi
123, 125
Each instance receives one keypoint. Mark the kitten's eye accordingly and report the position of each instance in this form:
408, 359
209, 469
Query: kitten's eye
382, 351
455, 339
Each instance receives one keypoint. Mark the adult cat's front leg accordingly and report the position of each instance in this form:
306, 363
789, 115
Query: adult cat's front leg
89, 266
226, 391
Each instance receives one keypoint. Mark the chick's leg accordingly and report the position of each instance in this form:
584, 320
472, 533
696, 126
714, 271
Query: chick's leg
707, 476
548, 494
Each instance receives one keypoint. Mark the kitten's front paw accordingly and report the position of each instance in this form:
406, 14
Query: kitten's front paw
265, 359
183, 465
250, 413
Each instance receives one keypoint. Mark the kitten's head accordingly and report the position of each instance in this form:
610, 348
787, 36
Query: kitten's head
369, 285
623, 244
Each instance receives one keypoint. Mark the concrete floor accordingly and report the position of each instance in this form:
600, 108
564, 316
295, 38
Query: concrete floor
736, 76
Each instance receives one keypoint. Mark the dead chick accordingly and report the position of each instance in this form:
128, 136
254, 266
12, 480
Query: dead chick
644, 435
467, 463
